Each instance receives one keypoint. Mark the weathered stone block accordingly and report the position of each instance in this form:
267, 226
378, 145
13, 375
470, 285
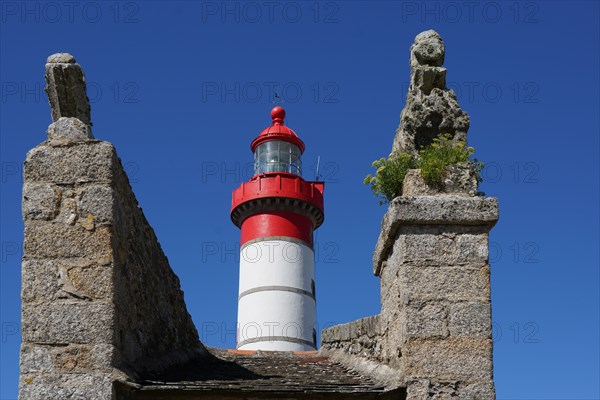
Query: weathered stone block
69, 130
73, 358
332, 334
473, 319
35, 358
83, 358
40, 280
452, 358
68, 322
48, 240
97, 200
425, 320
345, 332
372, 325
444, 283
369, 327
328, 335
419, 245
90, 161
40, 201
49, 280
66, 386
445, 210
94, 282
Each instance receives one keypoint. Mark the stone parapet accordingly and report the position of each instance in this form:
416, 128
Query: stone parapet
100, 302
358, 345
361, 337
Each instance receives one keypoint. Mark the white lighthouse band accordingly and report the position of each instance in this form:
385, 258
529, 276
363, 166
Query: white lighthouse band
277, 299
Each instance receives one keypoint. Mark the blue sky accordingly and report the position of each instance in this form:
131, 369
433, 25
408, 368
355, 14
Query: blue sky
181, 88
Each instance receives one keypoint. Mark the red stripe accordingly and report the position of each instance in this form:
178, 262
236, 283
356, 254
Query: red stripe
277, 223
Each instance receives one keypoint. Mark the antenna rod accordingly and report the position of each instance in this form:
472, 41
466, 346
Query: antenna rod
317, 170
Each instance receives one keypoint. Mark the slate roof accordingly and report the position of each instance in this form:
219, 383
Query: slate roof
231, 373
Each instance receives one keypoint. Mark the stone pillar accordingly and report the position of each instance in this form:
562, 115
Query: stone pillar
432, 257
432, 253
100, 302
434, 334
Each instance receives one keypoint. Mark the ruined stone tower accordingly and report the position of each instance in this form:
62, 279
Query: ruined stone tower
103, 316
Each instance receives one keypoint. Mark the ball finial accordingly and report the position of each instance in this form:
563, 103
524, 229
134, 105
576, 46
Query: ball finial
278, 114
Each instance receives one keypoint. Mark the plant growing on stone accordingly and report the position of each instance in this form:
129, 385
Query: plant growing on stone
434, 158
389, 175
441, 153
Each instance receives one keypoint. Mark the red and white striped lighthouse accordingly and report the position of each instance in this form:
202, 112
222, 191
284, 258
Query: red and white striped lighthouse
277, 212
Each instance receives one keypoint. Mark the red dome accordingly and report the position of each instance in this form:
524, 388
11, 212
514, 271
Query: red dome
277, 131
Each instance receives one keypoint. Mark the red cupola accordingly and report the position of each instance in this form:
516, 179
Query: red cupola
278, 131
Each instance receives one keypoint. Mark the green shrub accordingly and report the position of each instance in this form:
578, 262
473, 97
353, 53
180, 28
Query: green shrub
439, 154
389, 175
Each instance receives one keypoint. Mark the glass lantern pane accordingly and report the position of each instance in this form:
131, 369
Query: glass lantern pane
277, 156
285, 147
295, 151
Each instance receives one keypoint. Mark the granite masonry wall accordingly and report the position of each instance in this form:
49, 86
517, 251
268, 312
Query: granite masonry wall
100, 302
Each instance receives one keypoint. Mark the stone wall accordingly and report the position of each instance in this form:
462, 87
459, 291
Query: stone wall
358, 346
100, 302
360, 338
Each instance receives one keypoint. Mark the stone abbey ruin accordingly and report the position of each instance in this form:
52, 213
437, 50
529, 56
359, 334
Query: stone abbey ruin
104, 318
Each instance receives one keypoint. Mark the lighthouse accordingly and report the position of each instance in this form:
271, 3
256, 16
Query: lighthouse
277, 212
